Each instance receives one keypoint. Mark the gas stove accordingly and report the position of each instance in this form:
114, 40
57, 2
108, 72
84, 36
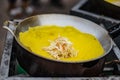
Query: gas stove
11, 70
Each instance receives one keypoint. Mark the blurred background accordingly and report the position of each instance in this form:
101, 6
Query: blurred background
19, 9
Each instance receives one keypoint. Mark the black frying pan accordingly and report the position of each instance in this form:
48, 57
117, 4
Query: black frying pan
33, 63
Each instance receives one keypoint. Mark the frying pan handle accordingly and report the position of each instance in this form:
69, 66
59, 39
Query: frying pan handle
113, 62
114, 31
11, 26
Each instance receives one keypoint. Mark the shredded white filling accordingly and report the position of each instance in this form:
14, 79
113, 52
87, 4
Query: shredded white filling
61, 48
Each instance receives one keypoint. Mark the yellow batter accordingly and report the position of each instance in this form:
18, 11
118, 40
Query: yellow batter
36, 38
114, 2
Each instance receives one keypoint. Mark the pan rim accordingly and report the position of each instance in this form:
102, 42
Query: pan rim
60, 61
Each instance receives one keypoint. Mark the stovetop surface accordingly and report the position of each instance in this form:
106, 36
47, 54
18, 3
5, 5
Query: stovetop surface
11, 69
